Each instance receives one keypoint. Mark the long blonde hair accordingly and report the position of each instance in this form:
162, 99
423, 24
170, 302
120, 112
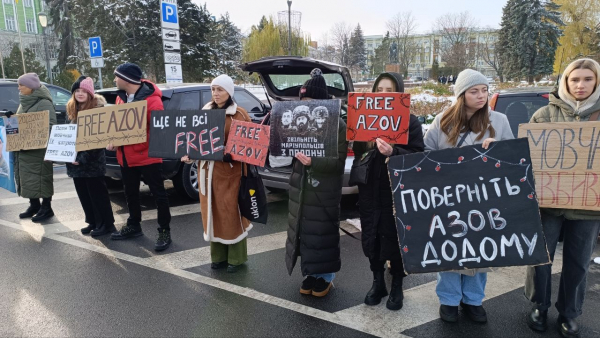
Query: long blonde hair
584, 63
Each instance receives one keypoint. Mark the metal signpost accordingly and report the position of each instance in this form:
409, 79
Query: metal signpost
96, 56
171, 44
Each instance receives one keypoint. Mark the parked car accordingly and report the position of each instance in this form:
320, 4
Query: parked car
9, 98
519, 104
186, 96
283, 76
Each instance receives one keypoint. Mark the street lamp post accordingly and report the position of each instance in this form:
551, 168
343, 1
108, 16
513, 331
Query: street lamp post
44, 23
289, 27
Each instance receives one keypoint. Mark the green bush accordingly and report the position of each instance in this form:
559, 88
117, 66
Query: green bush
438, 89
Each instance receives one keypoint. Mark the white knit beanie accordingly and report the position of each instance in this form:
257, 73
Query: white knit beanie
467, 79
225, 82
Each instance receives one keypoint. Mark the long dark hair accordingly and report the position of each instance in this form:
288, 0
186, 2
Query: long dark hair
454, 121
214, 105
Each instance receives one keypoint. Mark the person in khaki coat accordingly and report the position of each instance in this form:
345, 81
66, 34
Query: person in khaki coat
224, 226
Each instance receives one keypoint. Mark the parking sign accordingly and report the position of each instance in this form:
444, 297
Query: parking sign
95, 47
169, 16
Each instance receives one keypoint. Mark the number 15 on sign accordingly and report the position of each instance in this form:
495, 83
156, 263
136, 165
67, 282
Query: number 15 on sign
174, 73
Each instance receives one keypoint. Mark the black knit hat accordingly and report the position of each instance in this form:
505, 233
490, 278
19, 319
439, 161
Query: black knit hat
130, 72
315, 87
77, 83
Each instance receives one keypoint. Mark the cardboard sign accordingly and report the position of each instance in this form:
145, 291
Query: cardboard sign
7, 172
118, 125
465, 208
248, 142
378, 115
309, 127
566, 163
62, 143
30, 132
200, 134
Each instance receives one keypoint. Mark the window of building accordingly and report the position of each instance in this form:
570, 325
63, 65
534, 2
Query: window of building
53, 53
10, 23
28, 3
29, 25
10, 2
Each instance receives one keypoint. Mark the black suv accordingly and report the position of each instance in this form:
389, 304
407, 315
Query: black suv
519, 104
185, 96
9, 98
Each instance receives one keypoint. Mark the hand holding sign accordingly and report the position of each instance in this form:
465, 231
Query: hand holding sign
384, 147
378, 115
305, 160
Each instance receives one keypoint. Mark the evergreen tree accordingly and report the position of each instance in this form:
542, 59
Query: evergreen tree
381, 56
226, 48
357, 51
13, 64
195, 27
62, 20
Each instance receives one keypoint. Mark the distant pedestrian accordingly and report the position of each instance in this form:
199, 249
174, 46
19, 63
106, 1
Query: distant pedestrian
224, 226
33, 175
376, 206
468, 122
577, 100
134, 160
450, 79
89, 167
314, 206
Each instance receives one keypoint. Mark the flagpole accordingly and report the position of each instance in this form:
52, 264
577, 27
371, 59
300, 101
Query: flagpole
19, 31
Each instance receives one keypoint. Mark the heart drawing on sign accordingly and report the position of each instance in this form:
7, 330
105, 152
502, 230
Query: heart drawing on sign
252, 191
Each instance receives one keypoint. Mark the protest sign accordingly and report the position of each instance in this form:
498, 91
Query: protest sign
564, 161
378, 115
248, 142
62, 143
465, 208
30, 132
310, 127
118, 125
7, 172
200, 134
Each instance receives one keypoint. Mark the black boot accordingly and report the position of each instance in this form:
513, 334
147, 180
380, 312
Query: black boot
103, 230
396, 299
127, 232
568, 327
34, 207
88, 229
164, 240
536, 320
45, 211
378, 290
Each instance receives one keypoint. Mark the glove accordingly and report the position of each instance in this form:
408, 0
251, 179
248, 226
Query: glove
227, 158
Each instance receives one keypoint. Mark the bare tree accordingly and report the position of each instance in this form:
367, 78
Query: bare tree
458, 46
402, 27
488, 52
341, 33
325, 50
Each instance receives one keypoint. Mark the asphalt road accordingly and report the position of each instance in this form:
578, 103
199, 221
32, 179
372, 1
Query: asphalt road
57, 282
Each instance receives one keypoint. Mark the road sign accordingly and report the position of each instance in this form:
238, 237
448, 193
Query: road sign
97, 62
168, 14
174, 73
171, 46
172, 58
170, 35
95, 47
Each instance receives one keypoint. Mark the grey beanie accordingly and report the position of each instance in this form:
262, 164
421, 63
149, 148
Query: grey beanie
30, 80
467, 79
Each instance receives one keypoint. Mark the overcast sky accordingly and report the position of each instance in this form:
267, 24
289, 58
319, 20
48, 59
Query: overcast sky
318, 16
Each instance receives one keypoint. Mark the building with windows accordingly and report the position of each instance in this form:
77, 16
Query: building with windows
428, 50
22, 15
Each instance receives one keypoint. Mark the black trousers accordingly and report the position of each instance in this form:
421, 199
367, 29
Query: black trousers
132, 177
93, 195
579, 241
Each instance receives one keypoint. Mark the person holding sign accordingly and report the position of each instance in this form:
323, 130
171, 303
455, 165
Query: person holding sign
577, 100
224, 227
376, 206
89, 167
469, 121
135, 163
314, 206
34, 176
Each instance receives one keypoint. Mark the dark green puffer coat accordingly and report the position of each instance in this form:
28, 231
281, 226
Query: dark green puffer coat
33, 175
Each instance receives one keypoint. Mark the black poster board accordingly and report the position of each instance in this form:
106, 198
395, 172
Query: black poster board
310, 127
465, 208
200, 134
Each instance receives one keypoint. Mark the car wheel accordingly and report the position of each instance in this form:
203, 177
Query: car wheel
186, 181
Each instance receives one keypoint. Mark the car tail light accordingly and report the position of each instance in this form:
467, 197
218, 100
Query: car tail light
493, 101
547, 96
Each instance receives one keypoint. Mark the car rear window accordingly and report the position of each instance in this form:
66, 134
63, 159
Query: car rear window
283, 81
519, 109
9, 97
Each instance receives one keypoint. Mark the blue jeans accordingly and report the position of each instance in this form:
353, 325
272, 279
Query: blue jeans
328, 277
453, 287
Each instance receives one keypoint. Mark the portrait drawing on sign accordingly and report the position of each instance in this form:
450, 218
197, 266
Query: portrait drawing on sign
287, 119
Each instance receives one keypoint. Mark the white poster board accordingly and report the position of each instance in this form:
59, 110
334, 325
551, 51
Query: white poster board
62, 142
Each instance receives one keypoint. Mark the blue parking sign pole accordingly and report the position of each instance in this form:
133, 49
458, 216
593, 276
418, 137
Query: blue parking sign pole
95, 47
169, 21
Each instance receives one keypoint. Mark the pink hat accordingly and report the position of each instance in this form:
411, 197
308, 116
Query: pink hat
88, 85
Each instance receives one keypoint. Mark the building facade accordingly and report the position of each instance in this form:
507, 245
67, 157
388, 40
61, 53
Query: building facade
428, 50
22, 16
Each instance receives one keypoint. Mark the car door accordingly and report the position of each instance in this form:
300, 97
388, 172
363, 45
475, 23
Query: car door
251, 104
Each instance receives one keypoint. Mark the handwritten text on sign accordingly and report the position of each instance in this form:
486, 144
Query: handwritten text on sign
62, 142
200, 134
378, 115
118, 125
248, 142
465, 208
33, 132
566, 163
